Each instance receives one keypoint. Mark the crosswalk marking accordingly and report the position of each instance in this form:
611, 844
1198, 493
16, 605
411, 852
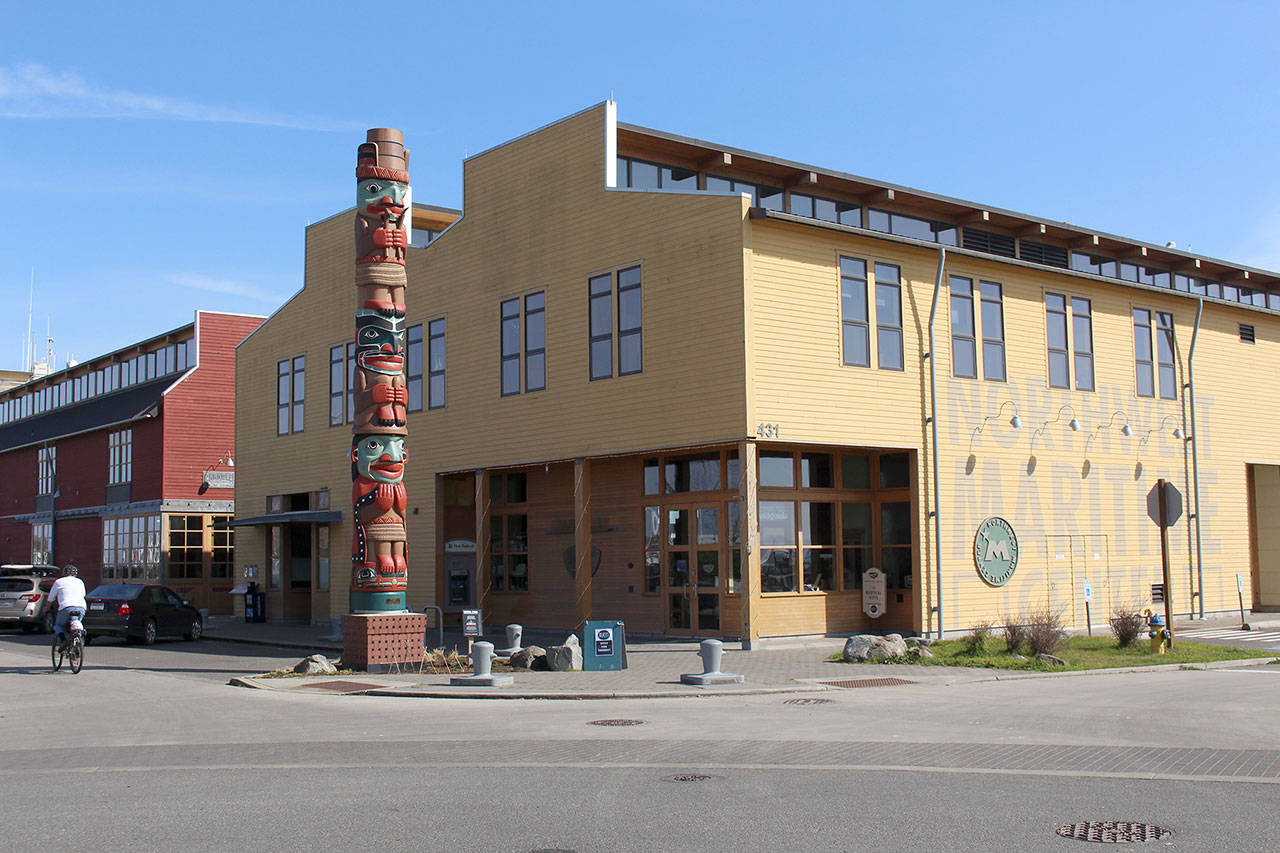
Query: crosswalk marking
1234, 634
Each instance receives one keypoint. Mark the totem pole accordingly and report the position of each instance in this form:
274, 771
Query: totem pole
379, 553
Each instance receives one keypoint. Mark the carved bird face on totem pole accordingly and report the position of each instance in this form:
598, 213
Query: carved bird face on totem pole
380, 458
379, 342
377, 196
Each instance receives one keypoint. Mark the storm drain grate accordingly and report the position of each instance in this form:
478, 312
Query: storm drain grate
616, 723
868, 682
342, 686
689, 777
807, 701
1113, 831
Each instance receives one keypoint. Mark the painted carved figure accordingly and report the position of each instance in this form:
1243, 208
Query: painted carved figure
380, 393
379, 561
378, 498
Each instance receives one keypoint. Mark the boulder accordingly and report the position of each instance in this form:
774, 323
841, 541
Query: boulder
858, 647
315, 665
1057, 661
564, 658
889, 646
524, 658
920, 652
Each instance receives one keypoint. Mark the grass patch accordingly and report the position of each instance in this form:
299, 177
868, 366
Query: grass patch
1080, 653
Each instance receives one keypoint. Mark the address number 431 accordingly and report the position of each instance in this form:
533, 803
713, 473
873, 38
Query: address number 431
768, 431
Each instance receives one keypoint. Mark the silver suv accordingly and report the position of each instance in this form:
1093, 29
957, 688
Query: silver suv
24, 602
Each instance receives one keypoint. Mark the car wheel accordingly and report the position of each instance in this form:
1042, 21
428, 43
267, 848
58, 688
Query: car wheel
47, 621
196, 629
149, 632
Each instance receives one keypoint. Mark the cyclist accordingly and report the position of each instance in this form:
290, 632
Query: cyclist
67, 594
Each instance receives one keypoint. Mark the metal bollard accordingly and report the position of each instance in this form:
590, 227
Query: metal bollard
514, 633
711, 652
482, 658
482, 661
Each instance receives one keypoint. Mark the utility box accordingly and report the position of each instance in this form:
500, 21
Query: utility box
604, 646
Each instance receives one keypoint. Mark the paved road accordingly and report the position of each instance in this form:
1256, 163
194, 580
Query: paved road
1265, 639
158, 754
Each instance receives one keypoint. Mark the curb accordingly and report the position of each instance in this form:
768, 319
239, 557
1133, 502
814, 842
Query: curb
280, 644
254, 683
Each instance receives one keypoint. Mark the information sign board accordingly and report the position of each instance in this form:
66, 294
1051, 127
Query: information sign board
605, 646
1088, 591
873, 593
472, 624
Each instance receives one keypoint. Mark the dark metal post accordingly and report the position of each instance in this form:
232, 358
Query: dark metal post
1164, 561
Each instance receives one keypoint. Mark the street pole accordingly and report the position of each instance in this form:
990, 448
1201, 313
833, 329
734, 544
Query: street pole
1164, 562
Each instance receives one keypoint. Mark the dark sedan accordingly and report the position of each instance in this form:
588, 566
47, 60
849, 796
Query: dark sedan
140, 613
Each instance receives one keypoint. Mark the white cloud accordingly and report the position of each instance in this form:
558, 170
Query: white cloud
34, 91
196, 281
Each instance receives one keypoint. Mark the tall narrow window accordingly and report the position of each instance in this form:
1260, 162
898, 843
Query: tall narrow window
888, 317
435, 364
299, 391
993, 367
600, 288
282, 397
964, 352
185, 557
413, 367
1082, 342
510, 332
351, 382
1055, 307
337, 385
630, 316
535, 341
855, 333
524, 342
1164, 356
120, 457
46, 469
1142, 352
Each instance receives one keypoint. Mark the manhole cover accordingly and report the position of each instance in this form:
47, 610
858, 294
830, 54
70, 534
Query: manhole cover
868, 682
808, 700
341, 686
1113, 831
553, 850
616, 723
689, 777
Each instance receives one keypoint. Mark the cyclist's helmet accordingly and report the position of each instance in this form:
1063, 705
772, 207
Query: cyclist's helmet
69, 571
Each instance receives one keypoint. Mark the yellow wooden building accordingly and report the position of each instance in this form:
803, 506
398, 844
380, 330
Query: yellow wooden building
704, 390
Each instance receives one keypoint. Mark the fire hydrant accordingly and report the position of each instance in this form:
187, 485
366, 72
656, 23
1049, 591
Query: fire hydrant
1157, 632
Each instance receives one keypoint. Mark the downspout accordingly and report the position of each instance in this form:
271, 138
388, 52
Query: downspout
933, 421
1195, 456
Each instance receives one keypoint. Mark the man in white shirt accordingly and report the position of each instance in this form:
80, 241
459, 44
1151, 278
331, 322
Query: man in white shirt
67, 593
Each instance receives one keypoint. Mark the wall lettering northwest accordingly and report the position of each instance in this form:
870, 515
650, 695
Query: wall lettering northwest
995, 551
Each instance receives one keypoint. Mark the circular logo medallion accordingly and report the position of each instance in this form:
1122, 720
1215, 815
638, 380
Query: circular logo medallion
995, 551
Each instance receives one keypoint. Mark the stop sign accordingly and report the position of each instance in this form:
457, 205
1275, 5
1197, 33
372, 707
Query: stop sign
1172, 504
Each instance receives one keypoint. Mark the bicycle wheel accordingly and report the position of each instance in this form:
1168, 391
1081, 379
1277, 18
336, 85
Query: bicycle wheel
56, 652
75, 654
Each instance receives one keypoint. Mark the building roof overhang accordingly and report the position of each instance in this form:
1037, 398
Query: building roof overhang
121, 407
312, 516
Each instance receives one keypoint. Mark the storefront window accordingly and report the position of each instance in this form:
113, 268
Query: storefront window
777, 546
895, 544
777, 469
895, 470
855, 471
816, 471
698, 473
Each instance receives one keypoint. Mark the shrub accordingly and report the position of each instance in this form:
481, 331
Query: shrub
1127, 623
975, 642
1044, 631
1015, 633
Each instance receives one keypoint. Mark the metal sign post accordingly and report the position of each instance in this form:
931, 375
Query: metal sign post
1244, 626
472, 626
1088, 597
1164, 505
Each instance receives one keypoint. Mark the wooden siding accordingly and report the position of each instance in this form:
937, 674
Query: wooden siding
199, 412
1077, 515
1266, 491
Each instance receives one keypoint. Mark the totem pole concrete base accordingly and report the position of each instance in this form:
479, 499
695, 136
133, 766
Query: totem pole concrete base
373, 642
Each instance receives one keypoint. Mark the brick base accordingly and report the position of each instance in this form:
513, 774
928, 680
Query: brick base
382, 638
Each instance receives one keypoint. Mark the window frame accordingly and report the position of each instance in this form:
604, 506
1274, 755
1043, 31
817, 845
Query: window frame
432, 337
120, 456
410, 376
849, 281
887, 329
966, 310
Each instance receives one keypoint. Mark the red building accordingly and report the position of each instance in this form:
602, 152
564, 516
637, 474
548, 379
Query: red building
122, 464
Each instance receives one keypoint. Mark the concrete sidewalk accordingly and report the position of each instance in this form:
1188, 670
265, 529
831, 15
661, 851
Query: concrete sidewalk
654, 667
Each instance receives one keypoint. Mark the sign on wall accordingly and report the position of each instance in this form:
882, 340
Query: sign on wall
220, 479
995, 551
873, 593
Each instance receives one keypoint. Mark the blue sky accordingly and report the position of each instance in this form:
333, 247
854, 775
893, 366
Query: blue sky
163, 158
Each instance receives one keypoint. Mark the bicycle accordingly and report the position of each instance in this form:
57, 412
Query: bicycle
72, 648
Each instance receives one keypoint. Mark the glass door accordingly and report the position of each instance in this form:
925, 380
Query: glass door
693, 563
